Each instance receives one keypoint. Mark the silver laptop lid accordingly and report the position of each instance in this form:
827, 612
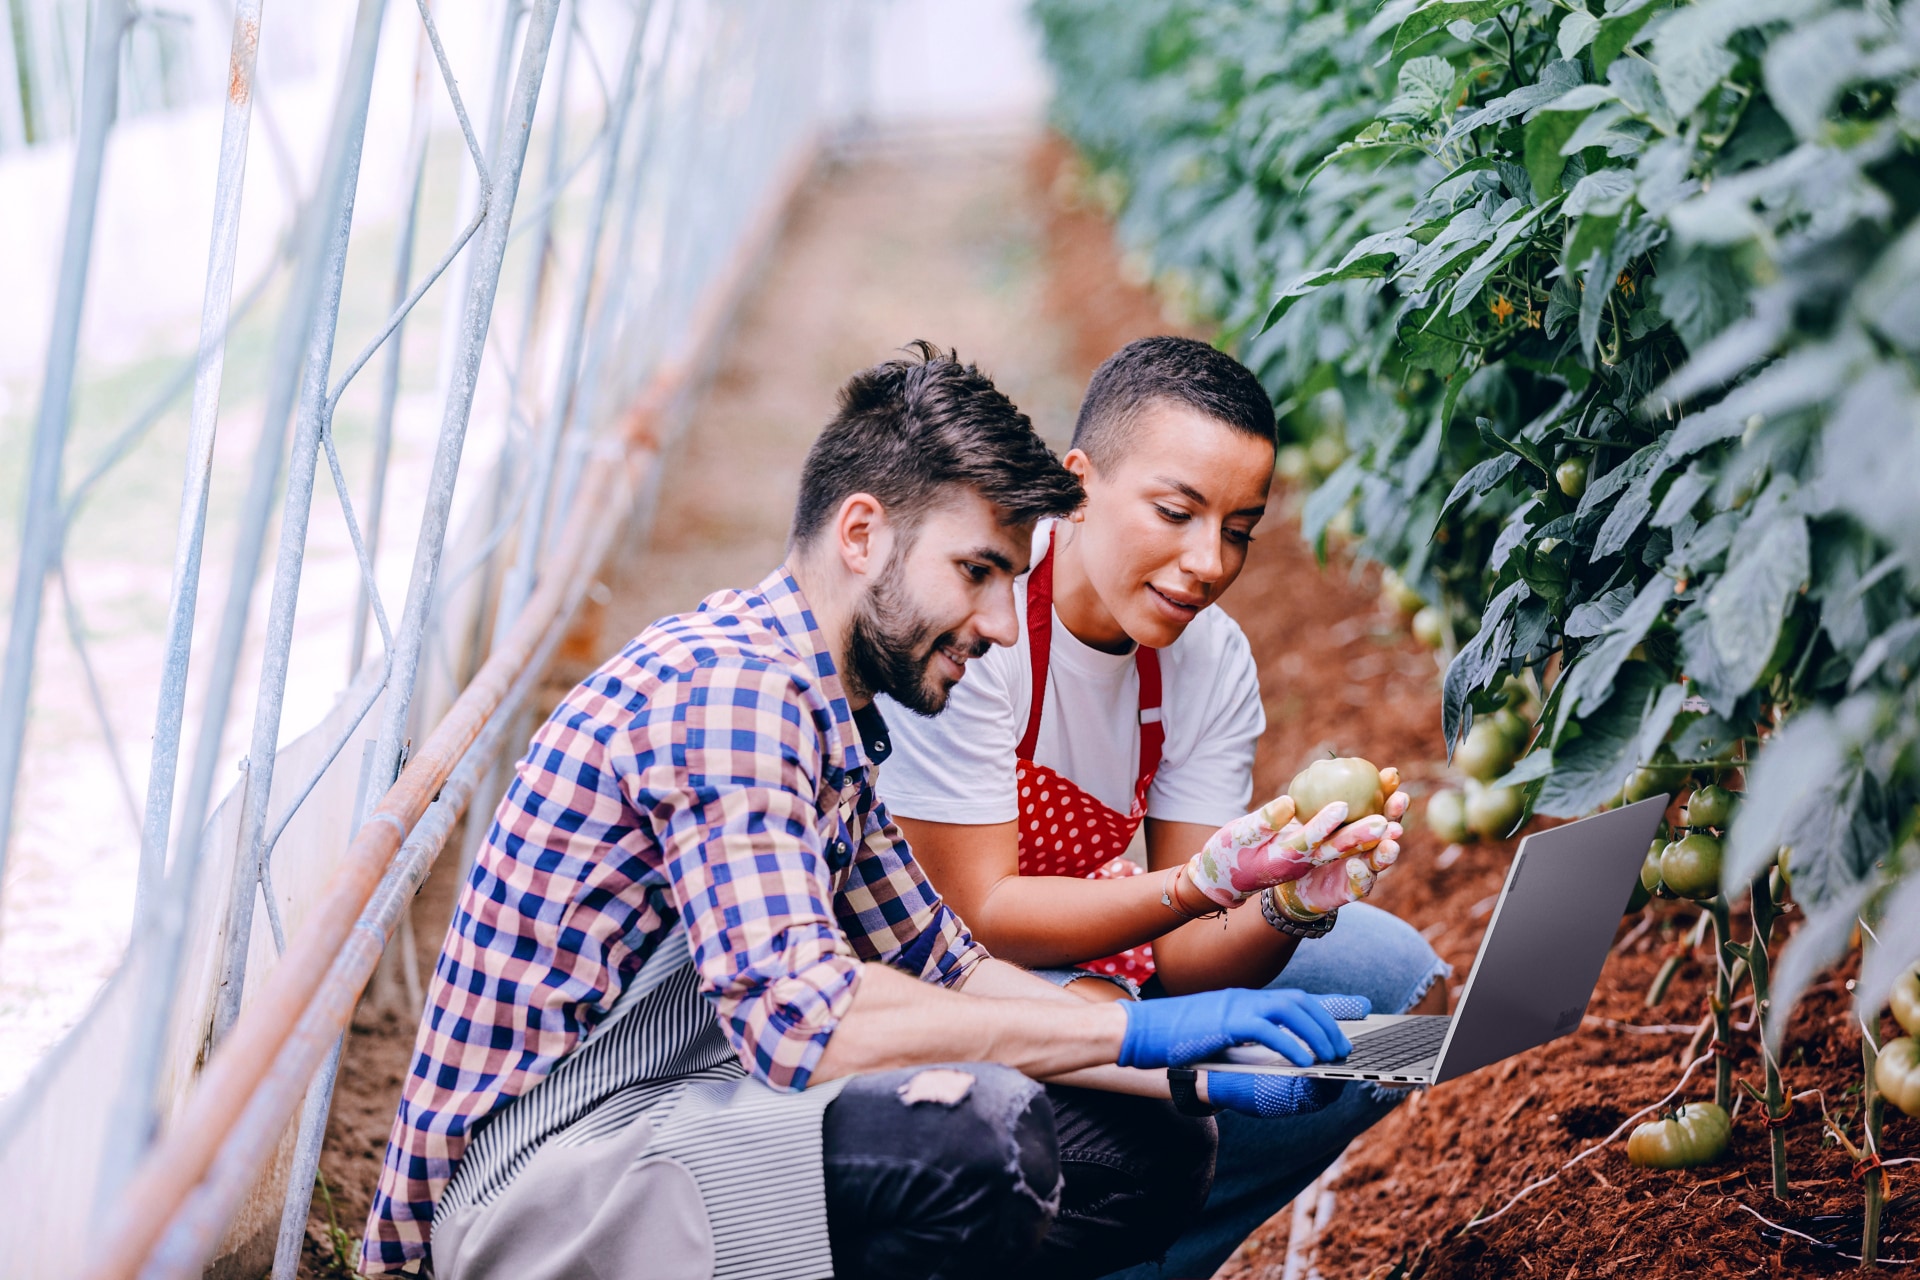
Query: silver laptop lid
1549, 936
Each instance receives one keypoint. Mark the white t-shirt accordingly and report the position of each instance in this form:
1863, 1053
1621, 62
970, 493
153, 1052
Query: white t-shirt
959, 766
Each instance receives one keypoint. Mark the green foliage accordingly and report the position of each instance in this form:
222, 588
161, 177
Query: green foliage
1673, 239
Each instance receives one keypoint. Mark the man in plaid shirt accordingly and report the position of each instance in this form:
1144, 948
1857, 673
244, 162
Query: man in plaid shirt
699, 1014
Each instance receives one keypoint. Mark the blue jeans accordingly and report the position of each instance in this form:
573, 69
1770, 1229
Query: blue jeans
1263, 1164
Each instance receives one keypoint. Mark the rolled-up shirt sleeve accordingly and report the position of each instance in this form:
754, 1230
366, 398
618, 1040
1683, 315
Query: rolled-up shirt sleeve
731, 794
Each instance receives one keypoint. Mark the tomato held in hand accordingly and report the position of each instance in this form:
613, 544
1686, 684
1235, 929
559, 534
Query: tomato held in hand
1691, 866
1897, 1073
1350, 778
1696, 1134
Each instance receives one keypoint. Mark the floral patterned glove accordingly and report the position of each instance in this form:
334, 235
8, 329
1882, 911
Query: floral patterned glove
1269, 847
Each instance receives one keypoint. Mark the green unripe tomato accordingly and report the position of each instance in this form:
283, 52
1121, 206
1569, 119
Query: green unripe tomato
1710, 807
1650, 869
1897, 1073
1486, 753
1516, 728
1290, 463
1428, 627
1350, 778
1325, 453
1447, 815
1694, 1135
1690, 866
1645, 784
1905, 1000
1492, 812
1571, 476
1398, 595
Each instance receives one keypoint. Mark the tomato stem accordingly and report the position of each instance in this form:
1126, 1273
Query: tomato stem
1765, 912
1722, 1002
1873, 1112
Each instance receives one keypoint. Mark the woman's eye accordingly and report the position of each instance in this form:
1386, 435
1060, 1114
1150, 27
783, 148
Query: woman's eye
1238, 537
1169, 514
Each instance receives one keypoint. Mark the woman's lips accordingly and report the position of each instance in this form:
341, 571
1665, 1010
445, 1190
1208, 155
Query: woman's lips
1178, 606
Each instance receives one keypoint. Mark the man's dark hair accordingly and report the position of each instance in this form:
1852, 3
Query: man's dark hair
911, 428
1168, 370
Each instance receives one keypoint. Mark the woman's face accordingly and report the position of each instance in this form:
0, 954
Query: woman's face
1166, 524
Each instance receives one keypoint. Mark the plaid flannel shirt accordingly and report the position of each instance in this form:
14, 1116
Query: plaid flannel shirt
713, 774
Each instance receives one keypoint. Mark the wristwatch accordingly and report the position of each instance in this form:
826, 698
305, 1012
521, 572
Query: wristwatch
1182, 1083
1280, 920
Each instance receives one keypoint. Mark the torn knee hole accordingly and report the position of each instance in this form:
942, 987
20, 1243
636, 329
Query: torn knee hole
943, 1086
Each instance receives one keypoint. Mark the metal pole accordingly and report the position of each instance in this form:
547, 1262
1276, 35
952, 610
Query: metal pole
136, 1116
209, 367
620, 273
302, 468
507, 162
415, 166
42, 525
306, 1163
519, 583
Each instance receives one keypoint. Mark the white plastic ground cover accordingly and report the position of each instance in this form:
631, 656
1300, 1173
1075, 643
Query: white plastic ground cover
54, 1129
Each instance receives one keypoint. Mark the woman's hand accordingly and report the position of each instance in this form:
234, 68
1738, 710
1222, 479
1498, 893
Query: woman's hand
1271, 846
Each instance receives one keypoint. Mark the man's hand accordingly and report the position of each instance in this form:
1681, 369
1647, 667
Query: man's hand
1176, 1030
1270, 846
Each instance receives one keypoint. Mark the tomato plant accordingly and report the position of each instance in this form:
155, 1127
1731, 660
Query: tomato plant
1615, 308
1671, 244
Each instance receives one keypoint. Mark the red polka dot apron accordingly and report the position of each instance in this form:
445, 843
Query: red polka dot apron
1063, 830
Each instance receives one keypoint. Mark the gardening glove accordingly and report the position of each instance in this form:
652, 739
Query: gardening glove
1270, 846
1335, 884
1268, 1097
1176, 1030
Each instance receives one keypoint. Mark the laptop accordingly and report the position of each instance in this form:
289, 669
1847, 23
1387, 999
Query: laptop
1552, 927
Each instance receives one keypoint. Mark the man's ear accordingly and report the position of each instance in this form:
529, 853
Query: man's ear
862, 534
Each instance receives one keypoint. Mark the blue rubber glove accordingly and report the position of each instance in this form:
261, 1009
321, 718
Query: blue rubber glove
1267, 1097
1177, 1030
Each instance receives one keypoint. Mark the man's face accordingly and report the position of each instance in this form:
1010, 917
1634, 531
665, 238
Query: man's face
1166, 524
942, 599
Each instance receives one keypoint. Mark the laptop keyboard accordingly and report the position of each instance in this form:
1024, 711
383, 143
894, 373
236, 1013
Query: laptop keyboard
1400, 1045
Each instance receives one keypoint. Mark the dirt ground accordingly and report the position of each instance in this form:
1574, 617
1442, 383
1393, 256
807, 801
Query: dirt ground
989, 251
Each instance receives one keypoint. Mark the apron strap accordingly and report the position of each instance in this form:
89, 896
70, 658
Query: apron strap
1039, 642
1153, 734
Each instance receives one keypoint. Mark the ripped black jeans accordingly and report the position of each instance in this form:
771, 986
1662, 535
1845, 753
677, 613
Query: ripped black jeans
1013, 1179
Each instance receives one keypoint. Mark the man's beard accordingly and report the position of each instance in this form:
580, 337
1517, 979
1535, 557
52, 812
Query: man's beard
891, 643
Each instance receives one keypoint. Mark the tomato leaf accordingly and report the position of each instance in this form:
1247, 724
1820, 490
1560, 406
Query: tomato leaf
1437, 15
1593, 759
1546, 134
1479, 478
1477, 663
1620, 28
1746, 606
1591, 684
1823, 937
1896, 949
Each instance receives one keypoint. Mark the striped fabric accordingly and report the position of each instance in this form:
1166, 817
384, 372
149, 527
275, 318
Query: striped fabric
711, 776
